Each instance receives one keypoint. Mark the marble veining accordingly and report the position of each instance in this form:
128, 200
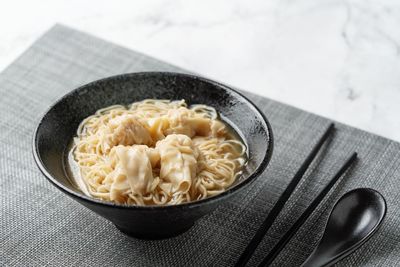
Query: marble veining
336, 58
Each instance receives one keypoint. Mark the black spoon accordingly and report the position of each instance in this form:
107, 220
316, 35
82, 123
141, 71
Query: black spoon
353, 220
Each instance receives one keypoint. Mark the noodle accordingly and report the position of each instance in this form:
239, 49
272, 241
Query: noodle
156, 152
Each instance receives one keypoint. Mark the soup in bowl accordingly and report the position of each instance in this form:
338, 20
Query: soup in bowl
154, 151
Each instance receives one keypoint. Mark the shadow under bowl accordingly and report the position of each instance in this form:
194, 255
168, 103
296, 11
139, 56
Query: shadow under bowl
59, 124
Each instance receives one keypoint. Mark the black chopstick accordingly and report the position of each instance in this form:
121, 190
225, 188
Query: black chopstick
249, 250
290, 233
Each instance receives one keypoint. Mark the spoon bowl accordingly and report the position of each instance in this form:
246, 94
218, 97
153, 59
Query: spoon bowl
354, 219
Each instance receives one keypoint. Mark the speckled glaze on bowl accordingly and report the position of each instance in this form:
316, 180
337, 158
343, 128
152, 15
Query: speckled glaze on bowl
58, 126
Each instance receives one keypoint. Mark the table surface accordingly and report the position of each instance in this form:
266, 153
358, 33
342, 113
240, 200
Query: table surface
40, 226
339, 59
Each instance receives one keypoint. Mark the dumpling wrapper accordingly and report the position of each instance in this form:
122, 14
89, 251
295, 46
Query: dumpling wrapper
133, 170
217, 128
178, 160
125, 130
184, 121
157, 127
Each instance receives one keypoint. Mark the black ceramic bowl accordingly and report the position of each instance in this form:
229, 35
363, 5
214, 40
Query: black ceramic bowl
58, 126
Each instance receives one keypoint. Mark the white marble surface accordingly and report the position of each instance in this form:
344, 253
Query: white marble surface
339, 59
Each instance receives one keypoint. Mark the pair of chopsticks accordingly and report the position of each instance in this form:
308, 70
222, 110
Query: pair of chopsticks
269, 220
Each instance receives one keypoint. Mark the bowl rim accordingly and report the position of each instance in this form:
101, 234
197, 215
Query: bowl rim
260, 168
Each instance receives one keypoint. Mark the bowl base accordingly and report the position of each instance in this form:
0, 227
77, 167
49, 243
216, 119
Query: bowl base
154, 235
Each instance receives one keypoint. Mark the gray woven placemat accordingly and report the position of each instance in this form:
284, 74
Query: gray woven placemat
40, 226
